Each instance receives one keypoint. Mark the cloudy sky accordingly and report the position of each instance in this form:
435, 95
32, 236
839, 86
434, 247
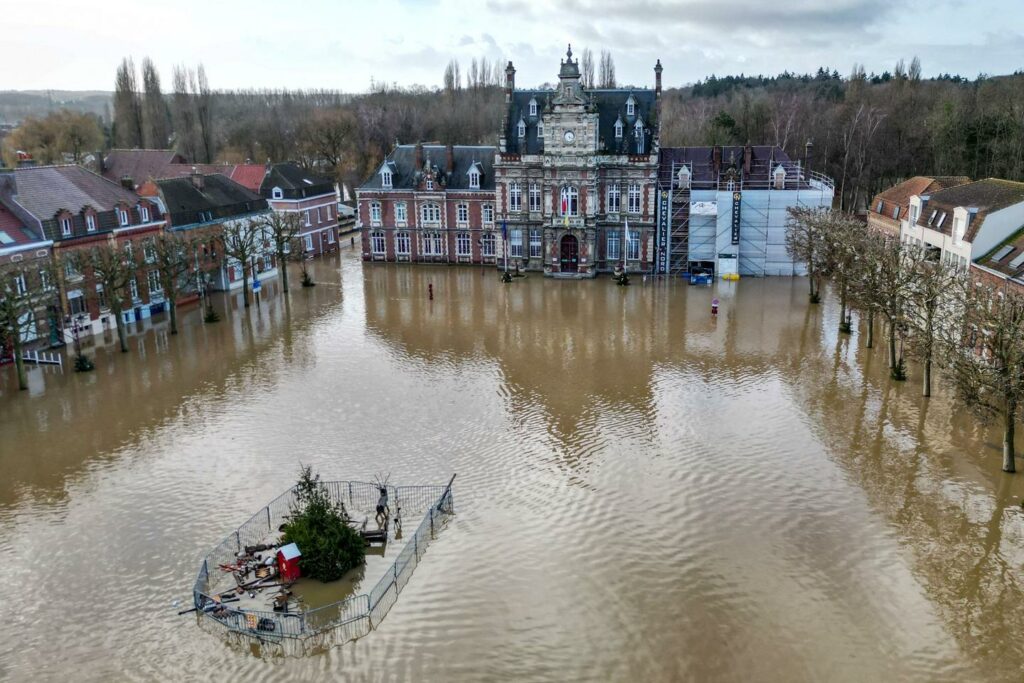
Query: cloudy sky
343, 44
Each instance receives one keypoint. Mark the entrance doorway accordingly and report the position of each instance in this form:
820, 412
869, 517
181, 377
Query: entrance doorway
569, 261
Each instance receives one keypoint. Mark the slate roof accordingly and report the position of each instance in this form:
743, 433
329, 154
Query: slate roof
46, 190
987, 196
294, 181
407, 177
764, 160
219, 198
13, 232
610, 105
898, 196
138, 164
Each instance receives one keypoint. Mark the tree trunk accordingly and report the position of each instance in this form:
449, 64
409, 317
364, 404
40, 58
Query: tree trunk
1009, 424
172, 309
245, 286
19, 362
870, 343
282, 265
892, 346
843, 326
122, 334
926, 389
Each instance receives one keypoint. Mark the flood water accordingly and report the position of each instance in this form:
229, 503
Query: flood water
644, 492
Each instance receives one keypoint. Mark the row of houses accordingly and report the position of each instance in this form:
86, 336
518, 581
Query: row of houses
50, 214
966, 224
577, 184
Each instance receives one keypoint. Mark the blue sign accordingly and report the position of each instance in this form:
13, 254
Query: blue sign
256, 284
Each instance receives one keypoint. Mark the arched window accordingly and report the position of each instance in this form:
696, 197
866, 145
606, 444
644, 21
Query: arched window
430, 214
630, 106
533, 107
570, 201
515, 197
522, 128
618, 129
277, 193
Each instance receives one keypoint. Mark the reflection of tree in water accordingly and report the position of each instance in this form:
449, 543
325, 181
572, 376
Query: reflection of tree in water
937, 482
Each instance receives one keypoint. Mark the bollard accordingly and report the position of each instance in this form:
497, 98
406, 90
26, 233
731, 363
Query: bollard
430, 291
714, 307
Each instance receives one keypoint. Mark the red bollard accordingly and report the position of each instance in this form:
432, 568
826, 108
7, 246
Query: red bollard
430, 291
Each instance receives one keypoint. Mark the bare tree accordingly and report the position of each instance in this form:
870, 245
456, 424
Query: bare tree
282, 229
606, 70
113, 268
587, 68
805, 241
898, 267
866, 282
24, 290
204, 113
928, 300
127, 106
984, 355
172, 254
154, 110
842, 239
242, 241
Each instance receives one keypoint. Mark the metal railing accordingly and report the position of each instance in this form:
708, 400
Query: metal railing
336, 623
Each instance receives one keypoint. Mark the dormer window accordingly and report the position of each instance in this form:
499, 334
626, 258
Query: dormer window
522, 128
618, 129
122, 216
630, 106
144, 211
942, 219
533, 107
474, 179
90, 222
277, 193
540, 129
65, 226
385, 177
429, 183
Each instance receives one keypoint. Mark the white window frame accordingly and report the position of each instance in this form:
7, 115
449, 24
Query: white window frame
522, 129
613, 245
153, 282
633, 245
90, 222
430, 214
319, 216
375, 214
614, 199
309, 223
536, 243
487, 242
386, 179
133, 288
630, 106
462, 213
122, 217
572, 204
618, 130
20, 286
66, 226
534, 197
277, 193
378, 243
515, 243
330, 214
330, 236
403, 245
515, 197
463, 244
634, 198
149, 251
474, 180
129, 251
308, 239
540, 129
432, 244
487, 210
533, 107
401, 213
144, 212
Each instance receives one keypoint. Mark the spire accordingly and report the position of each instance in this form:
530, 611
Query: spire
568, 53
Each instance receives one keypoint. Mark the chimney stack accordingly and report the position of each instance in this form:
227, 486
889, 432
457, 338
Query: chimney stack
657, 79
510, 81
418, 158
126, 182
449, 159
197, 179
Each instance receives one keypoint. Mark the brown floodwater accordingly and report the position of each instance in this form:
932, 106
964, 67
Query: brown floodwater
644, 492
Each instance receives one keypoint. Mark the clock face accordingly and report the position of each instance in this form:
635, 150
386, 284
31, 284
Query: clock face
569, 136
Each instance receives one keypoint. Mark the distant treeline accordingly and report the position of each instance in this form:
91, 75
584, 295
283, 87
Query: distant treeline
868, 130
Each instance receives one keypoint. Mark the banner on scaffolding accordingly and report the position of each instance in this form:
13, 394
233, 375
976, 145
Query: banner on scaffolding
735, 217
663, 230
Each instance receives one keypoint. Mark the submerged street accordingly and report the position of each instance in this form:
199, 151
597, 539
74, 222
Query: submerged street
644, 492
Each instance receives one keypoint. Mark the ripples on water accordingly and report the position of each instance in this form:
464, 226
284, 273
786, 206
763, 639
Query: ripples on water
644, 493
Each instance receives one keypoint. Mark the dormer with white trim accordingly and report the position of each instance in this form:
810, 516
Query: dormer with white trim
277, 193
779, 178
522, 128
684, 178
475, 175
630, 106
618, 128
387, 176
533, 106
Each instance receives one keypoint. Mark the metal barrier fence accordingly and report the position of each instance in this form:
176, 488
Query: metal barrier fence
339, 622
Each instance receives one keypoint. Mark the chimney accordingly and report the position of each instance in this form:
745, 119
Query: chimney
418, 159
101, 163
657, 79
449, 159
510, 81
127, 183
197, 179
748, 156
808, 152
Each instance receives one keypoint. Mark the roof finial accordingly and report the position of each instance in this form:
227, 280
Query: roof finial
568, 53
